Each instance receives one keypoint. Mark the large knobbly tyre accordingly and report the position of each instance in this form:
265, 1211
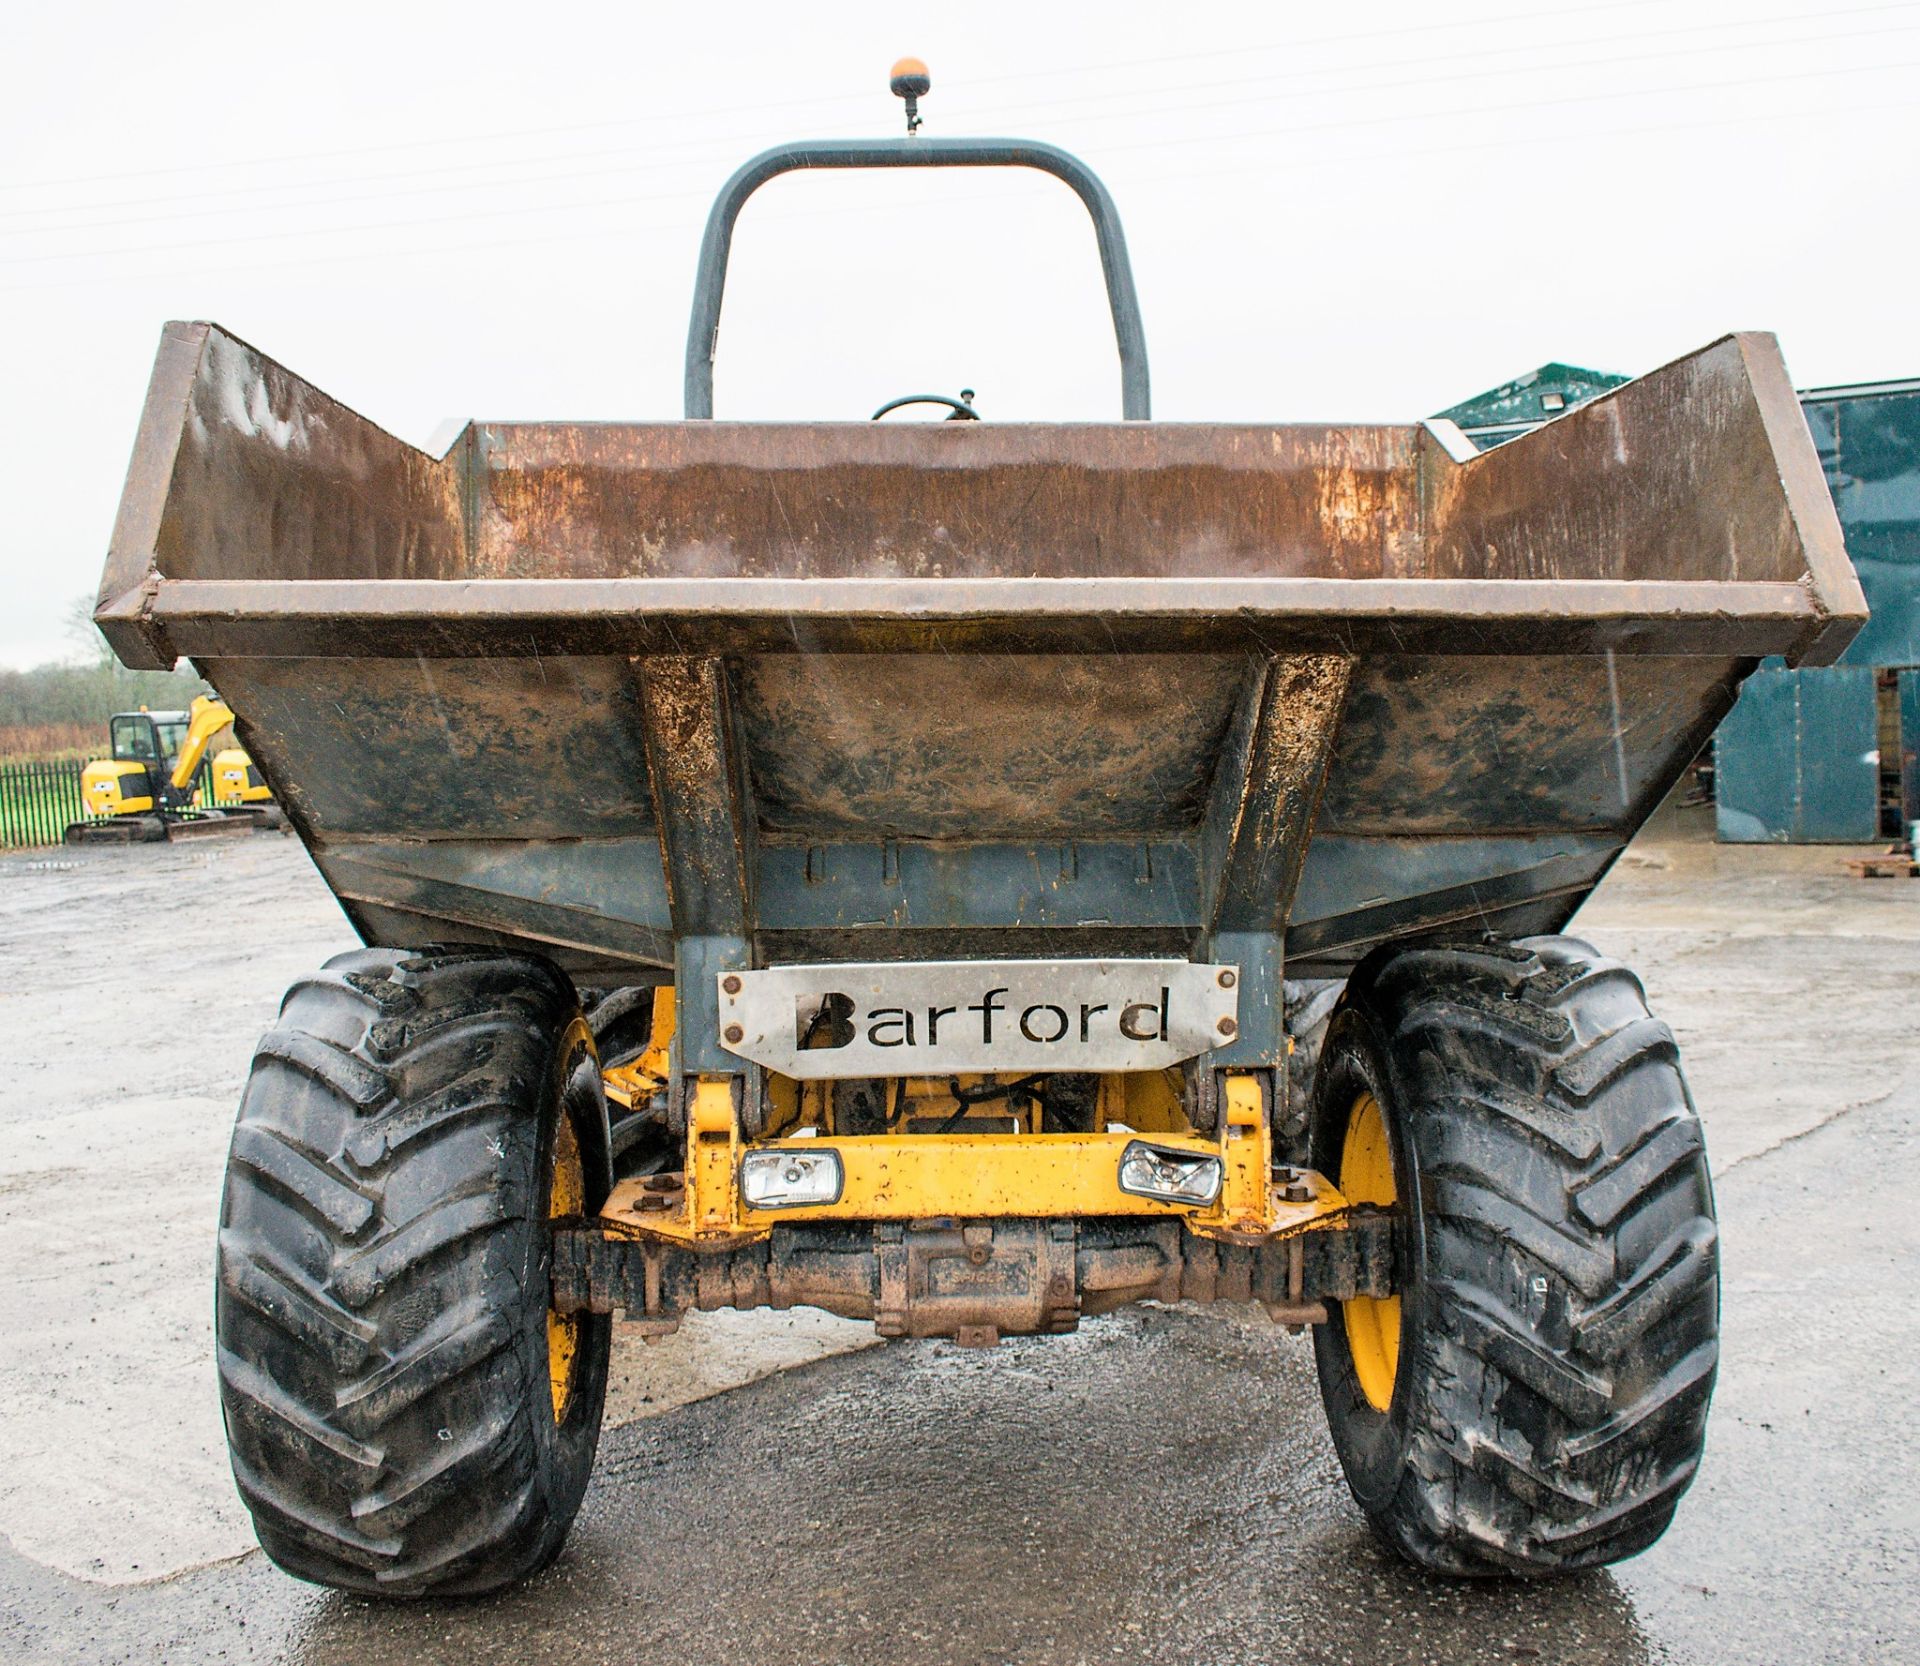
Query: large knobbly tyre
1535, 1397
405, 1413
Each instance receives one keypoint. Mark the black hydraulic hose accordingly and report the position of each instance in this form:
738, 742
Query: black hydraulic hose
969, 1097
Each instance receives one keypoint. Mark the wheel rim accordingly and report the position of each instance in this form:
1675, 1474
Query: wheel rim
567, 1195
1373, 1322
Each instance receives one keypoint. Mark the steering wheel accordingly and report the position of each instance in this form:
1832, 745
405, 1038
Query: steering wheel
958, 410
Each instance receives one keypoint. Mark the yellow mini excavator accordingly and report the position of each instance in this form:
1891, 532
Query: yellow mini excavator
152, 788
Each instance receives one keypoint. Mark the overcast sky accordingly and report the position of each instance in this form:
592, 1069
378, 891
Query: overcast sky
1366, 211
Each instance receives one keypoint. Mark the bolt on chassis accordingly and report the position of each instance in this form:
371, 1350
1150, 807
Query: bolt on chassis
857, 864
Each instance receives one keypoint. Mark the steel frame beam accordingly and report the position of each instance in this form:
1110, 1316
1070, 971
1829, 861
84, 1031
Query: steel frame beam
706, 821
402, 618
1253, 843
909, 1177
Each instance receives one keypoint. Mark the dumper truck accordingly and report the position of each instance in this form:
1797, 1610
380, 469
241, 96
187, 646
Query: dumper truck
955, 800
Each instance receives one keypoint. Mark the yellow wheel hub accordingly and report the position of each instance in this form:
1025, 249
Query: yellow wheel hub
566, 1196
1373, 1322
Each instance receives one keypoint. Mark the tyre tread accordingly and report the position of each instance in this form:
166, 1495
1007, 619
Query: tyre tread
371, 1240
1571, 1252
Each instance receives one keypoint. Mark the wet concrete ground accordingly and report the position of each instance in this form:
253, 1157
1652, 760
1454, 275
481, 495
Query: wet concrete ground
1160, 1487
133, 985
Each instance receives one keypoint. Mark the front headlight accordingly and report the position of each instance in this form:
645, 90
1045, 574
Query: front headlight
1173, 1176
790, 1179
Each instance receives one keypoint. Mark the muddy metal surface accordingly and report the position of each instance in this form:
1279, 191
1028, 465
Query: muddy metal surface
1158, 1487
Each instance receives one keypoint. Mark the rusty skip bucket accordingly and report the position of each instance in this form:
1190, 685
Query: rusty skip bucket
960, 684
647, 696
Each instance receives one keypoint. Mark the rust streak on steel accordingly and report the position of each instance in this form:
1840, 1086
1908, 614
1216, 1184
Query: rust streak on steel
1268, 790
693, 766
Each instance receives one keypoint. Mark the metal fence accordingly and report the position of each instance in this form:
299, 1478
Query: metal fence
37, 801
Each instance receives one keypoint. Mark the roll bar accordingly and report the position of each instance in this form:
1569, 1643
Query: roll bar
710, 281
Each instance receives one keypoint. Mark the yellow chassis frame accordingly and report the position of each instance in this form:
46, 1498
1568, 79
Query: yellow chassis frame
891, 1177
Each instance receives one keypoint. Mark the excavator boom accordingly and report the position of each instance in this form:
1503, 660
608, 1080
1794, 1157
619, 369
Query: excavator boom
206, 718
